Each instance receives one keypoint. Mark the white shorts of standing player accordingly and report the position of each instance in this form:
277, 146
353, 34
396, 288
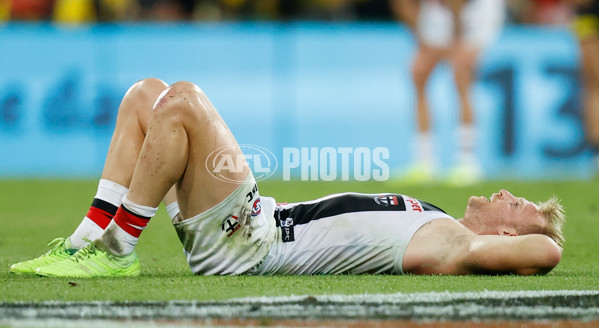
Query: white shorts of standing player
482, 21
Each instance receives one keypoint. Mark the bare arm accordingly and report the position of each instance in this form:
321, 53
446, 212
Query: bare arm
523, 255
447, 247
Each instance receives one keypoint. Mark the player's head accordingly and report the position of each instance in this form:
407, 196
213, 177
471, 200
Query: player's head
506, 214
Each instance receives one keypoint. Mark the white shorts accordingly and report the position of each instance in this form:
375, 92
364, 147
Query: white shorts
482, 21
232, 237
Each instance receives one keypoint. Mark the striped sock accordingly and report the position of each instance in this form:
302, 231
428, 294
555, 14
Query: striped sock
129, 221
102, 210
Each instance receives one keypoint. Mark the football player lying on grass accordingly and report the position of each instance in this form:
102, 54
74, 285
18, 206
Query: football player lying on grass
160, 151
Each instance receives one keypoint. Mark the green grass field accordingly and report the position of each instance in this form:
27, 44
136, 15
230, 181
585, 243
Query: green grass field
33, 212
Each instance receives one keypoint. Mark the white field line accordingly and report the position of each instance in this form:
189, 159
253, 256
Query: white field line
430, 297
487, 305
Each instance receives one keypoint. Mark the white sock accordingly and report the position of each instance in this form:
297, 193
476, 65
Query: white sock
173, 212
122, 234
141, 210
109, 192
424, 148
467, 141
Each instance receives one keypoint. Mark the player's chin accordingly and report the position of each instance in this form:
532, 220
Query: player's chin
476, 200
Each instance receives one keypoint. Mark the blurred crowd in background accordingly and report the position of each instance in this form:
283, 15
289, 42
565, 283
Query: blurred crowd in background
544, 12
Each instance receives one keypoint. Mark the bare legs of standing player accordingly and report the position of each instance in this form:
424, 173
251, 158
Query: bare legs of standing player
589, 47
463, 60
467, 170
425, 61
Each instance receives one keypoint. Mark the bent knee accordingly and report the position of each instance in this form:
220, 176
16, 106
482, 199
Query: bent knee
183, 100
149, 87
141, 96
186, 87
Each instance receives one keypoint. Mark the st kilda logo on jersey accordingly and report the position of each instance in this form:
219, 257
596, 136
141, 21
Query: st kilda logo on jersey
257, 207
386, 200
230, 225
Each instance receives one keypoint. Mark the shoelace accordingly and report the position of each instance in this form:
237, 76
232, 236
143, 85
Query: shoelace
55, 244
85, 252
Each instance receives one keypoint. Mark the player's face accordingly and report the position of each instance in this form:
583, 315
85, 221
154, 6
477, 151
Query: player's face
504, 213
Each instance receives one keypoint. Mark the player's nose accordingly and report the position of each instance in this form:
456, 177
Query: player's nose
504, 193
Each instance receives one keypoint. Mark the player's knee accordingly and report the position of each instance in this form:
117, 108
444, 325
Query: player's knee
186, 87
146, 88
180, 101
142, 94
150, 83
462, 68
420, 73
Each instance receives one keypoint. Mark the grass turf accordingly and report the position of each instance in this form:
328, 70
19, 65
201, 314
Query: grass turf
33, 212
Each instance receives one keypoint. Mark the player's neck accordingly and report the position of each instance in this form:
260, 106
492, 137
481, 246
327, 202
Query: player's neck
470, 224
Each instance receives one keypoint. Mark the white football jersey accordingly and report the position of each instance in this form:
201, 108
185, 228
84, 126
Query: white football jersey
346, 233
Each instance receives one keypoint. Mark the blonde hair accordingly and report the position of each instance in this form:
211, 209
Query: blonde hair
554, 216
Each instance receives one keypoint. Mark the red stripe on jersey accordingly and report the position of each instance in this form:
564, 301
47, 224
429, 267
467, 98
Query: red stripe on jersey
129, 222
101, 218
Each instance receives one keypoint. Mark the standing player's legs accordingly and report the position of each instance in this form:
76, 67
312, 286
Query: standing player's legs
463, 58
127, 139
424, 63
464, 61
482, 21
184, 128
590, 72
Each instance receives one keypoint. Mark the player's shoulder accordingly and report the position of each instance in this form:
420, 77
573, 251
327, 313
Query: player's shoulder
441, 233
437, 247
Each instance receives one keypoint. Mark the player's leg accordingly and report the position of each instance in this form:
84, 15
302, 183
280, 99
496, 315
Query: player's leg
183, 130
463, 58
425, 61
590, 73
126, 143
127, 139
464, 62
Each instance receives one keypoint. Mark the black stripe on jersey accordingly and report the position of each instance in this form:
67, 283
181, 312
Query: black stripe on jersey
304, 213
430, 207
104, 206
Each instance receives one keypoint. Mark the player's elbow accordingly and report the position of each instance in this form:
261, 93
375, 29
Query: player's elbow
549, 254
552, 253
552, 257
